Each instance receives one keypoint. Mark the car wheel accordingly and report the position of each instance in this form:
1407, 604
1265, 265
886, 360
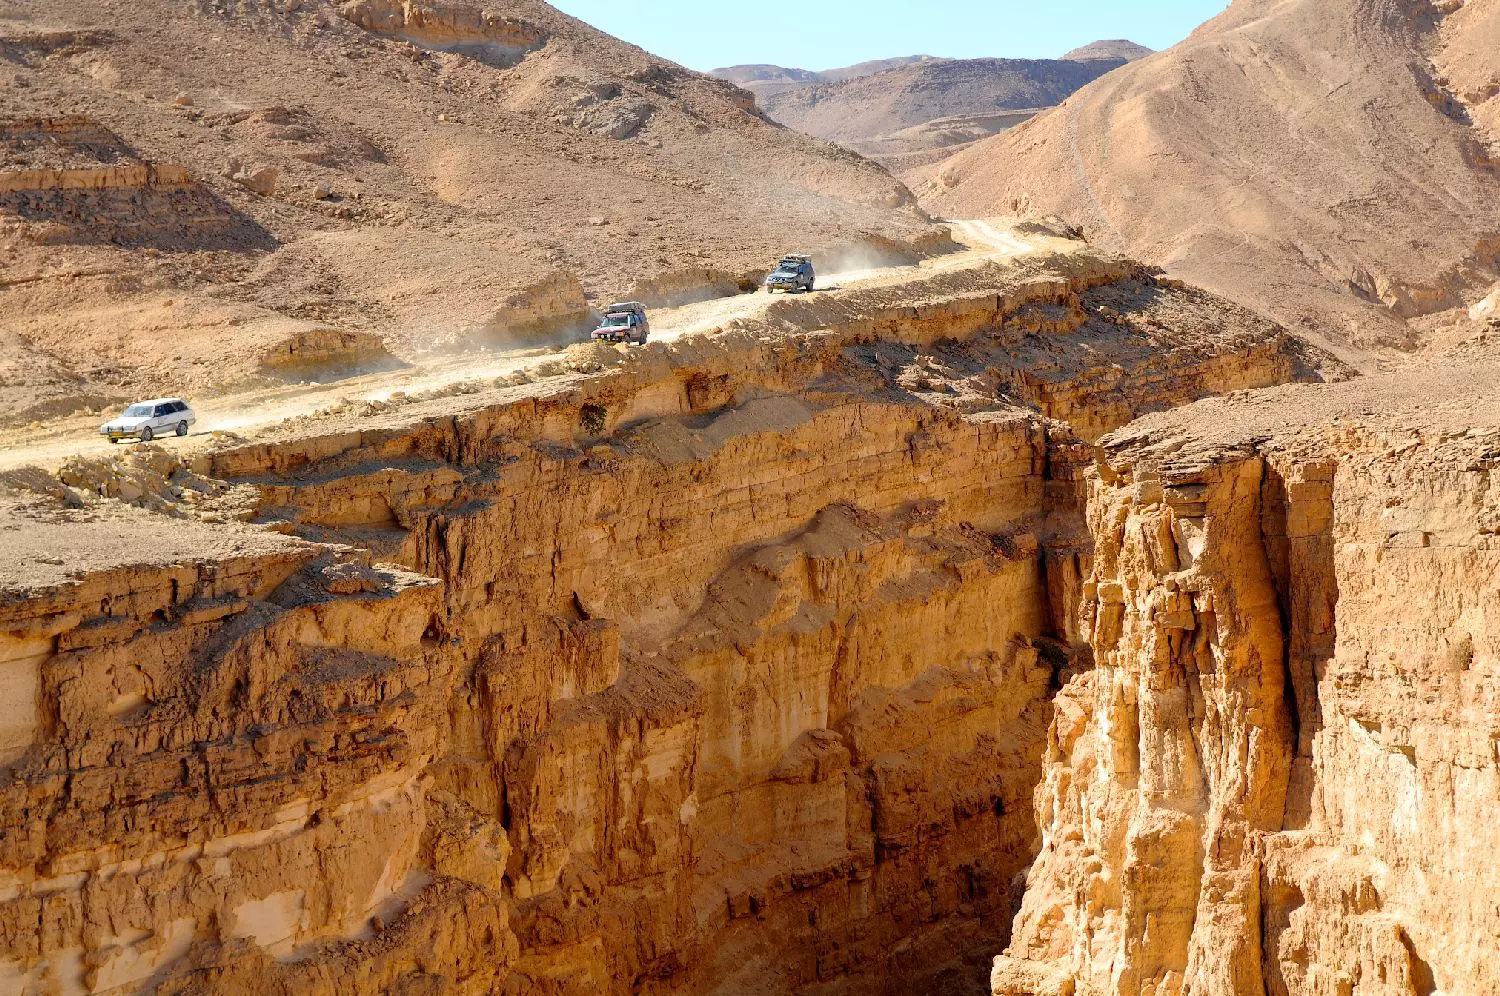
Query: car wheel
146, 434
182, 428
113, 441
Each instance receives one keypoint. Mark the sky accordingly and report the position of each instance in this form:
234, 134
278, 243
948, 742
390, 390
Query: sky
828, 34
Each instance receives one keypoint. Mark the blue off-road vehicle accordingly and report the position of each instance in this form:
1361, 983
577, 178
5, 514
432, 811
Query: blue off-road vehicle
793, 274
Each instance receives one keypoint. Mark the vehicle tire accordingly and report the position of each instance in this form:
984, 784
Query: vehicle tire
182, 428
113, 441
146, 434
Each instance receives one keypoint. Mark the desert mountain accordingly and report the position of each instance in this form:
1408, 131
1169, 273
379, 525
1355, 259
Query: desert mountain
1112, 48
325, 185
1332, 163
766, 81
919, 108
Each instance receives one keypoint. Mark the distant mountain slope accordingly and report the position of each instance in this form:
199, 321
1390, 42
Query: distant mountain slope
1329, 162
766, 81
1113, 48
927, 106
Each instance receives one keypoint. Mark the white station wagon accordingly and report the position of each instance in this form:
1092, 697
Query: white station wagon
145, 420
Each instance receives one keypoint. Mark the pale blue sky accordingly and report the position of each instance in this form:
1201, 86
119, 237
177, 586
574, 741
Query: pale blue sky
827, 34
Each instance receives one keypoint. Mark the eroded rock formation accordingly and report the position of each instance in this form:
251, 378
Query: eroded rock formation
727, 667
70, 180
1275, 777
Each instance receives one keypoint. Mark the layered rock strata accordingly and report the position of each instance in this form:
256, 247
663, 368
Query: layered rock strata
1273, 777
70, 180
729, 666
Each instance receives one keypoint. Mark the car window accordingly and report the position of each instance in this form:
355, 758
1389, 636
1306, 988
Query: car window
138, 411
179, 406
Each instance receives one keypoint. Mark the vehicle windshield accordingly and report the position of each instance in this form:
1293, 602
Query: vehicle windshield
616, 321
138, 411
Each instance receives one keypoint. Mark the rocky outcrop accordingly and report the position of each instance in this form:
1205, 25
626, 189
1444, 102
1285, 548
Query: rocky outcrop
327, 352
105, 178
450, 27
69, 180
692, 284
545, 310
1268, 780
729, 664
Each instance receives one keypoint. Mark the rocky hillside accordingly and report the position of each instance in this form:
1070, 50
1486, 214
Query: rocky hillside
1333, 164
195, 194
931, 106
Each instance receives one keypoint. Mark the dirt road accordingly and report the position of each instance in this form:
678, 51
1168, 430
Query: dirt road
242, 412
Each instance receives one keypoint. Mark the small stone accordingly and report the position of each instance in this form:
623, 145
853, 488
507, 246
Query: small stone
323, 191
182, 100
598, 221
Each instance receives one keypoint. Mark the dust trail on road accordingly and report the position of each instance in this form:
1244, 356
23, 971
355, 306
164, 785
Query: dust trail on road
245, 410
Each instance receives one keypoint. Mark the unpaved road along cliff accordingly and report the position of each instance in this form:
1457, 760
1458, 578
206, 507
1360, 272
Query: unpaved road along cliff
727, 664
446, 372
321, 185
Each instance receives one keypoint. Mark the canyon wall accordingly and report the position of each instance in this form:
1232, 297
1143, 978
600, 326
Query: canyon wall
729, 665
1276, 776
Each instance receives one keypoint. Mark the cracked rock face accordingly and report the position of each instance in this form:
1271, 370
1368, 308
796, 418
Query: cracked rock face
1272, 778
775, 662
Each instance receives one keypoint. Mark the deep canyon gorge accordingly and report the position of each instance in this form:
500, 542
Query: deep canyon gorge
786, 664
1092, 592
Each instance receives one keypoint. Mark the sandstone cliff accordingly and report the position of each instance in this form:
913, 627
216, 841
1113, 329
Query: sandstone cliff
1272, 777
719, 666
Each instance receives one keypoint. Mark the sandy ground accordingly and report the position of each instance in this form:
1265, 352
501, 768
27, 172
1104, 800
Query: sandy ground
49, 444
